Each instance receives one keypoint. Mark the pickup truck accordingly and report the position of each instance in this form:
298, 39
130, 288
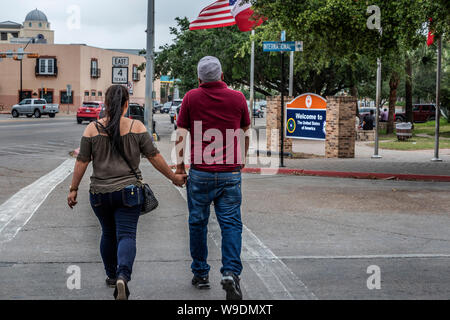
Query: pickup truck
421, 113
34, 107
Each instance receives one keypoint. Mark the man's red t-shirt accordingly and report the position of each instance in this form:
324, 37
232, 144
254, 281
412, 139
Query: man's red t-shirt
214, 115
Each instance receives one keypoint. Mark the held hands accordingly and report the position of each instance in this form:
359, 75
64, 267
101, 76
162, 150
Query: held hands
72, 199
179, 179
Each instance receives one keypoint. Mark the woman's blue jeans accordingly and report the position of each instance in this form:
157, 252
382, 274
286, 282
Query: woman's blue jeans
118, 213
224, 190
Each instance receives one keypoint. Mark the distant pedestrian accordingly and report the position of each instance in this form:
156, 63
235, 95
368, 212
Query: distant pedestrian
215, 175
368, 121
384, 115
114, 144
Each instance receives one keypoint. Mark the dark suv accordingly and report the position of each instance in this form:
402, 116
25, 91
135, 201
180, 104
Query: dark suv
135, 111
421, 113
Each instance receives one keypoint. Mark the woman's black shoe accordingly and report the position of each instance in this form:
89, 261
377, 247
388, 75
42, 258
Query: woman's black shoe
111, 282
121, 292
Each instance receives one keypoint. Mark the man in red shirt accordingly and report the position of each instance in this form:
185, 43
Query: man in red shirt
217, 119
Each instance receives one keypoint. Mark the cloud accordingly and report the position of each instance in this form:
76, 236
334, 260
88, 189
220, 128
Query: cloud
107, 23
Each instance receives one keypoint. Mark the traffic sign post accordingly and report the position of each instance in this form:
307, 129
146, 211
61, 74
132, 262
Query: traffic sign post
282, 47
69, 94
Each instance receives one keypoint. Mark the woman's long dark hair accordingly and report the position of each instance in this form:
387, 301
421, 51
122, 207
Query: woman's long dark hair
115, 100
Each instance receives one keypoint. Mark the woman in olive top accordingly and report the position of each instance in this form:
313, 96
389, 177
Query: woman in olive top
114, 194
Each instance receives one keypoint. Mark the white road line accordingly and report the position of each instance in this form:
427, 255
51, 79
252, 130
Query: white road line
18, 210
374, 256
280, 281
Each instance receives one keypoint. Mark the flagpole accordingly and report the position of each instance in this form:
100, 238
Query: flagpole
438, 98
252, 78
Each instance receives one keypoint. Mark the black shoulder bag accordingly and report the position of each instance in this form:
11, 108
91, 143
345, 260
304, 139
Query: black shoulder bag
150, 201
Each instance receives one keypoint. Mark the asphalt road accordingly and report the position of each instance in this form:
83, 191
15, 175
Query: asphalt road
304, 237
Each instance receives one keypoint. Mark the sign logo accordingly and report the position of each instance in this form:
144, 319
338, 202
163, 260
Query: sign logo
291, 126
308, 102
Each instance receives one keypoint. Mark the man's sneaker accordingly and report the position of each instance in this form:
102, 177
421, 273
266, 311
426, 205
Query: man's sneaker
121, 292
111, 282
230, 283
201, 282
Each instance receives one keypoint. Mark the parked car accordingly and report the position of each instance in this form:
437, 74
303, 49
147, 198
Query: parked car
135, 111
262, 105
34, 107
177, 113
258, 112
173, 109
366, 111
166, 107
90, 111
421, 113
156, 106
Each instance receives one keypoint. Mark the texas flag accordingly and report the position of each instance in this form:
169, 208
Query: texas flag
244, 15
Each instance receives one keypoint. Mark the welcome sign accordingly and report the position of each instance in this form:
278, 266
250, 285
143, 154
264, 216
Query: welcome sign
306, 117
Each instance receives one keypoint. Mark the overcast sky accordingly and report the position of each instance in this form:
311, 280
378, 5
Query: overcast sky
105, 23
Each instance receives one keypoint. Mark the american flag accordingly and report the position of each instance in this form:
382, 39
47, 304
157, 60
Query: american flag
216, 15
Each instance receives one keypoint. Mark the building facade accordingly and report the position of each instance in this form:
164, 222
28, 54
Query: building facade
36, 26
88, 70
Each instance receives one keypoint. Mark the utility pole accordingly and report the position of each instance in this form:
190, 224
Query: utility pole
438, 98
291, 75
149, 71
252, 79
377, 105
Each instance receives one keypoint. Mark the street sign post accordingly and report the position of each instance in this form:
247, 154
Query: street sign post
69, 94
120, 75
120, 61
282, 47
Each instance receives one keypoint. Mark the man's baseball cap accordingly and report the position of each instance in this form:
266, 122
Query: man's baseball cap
209, 69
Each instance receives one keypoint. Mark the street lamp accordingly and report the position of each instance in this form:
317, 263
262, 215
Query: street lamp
21, 76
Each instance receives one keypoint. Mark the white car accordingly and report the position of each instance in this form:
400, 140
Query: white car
34, 107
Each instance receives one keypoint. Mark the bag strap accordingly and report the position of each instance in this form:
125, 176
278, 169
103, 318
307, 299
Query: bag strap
122, 154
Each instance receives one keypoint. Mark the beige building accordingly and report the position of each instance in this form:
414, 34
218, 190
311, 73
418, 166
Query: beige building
36, 26
88, 70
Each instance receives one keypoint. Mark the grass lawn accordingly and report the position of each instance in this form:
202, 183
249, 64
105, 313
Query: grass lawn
418, 143
415, 143
429, 128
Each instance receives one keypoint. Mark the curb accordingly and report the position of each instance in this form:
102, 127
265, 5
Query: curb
348, 175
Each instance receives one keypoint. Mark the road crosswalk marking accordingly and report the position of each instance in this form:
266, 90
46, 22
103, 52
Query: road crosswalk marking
279, 280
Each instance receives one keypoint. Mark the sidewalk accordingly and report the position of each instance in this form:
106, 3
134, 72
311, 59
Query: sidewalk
392, 163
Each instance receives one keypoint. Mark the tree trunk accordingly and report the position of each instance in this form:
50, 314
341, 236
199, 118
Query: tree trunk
408, 91
354, 93
393, 85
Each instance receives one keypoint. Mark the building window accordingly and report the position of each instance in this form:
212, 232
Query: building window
4, 36
95, 71
93, 93
46, 66
15, 34
46, 94
136, 75
30, 24
86, 93
100, 94
66, 99
40, 24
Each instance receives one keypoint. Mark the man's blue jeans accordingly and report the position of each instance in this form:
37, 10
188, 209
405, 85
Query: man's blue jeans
224, 190
118, 213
